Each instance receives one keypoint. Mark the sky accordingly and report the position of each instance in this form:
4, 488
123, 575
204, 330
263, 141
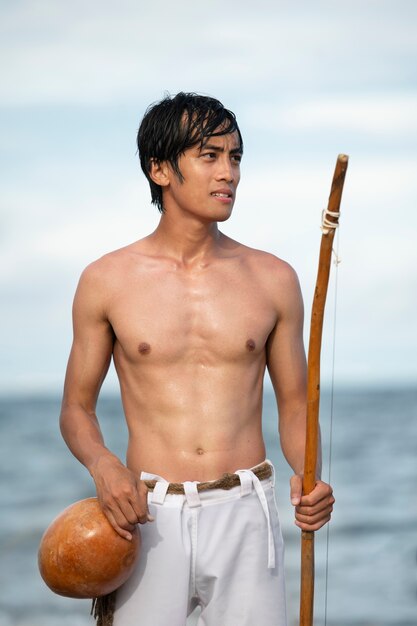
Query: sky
306, 80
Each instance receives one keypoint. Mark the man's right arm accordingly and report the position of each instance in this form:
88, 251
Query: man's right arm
287, 368
121, 494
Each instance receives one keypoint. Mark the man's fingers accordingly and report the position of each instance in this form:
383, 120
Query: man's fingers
140, 504
310, 526
132, 515
123, 498
323, 505
305, 514
130, 502
321, 492
134, 512
296, 489
121, 516
315, 509
306, 519
123, 532
314, 517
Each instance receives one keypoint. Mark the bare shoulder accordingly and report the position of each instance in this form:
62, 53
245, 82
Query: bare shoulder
274, 280
111, 264
101, 279
268, 267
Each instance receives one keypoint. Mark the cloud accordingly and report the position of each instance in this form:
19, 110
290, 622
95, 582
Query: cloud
377, 113
89, 223
101, 52
302, 77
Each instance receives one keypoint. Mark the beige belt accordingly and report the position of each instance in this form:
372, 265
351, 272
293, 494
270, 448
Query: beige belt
227, 481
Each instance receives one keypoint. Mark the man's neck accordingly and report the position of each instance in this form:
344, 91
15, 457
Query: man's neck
189, 241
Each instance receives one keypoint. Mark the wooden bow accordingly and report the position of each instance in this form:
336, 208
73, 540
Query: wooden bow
330, 221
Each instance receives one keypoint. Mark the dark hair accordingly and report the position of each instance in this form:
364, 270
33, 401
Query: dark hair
176, 123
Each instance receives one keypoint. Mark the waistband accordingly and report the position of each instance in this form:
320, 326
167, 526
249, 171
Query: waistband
227, 481
248, 479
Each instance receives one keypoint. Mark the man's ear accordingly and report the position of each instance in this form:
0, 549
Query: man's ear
159, 172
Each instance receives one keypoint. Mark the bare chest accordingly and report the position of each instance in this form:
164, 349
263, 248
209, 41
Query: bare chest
206, 317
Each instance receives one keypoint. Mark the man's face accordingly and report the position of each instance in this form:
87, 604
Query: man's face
211, 175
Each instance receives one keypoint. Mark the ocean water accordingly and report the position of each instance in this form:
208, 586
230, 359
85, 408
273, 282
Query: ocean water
372, 554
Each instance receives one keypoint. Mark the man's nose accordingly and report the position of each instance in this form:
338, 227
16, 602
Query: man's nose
225, 171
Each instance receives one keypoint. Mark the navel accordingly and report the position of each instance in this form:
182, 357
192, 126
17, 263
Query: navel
144, 348
250, 345
200, 451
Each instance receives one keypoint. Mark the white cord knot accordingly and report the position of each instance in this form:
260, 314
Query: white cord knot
337, 260
326, 224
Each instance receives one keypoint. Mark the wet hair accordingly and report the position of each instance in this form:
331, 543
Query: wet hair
175, 124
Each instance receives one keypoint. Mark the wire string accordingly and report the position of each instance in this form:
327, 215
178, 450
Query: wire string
336, 262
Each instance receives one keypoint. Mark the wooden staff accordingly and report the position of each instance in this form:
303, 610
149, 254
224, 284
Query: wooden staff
329, 224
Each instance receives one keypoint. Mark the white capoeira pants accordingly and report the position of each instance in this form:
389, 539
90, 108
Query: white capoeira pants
220, 549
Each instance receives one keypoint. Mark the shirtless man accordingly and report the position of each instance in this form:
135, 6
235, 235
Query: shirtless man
192, 318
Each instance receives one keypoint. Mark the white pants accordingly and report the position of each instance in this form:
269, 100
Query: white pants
220, 549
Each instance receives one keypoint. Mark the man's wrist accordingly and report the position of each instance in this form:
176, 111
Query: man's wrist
102, 457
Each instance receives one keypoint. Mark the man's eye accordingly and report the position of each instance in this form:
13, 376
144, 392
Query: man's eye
237, 158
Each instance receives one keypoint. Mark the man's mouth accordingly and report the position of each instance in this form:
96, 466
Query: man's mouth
221, 195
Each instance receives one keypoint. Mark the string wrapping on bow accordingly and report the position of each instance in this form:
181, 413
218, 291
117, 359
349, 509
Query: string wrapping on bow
326, 223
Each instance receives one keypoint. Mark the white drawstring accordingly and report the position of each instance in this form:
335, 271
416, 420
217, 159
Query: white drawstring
262, 498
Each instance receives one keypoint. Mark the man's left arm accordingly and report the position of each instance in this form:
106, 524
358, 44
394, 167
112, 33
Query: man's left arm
287, 368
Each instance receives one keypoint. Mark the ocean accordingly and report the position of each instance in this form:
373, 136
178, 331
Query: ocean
372, 541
